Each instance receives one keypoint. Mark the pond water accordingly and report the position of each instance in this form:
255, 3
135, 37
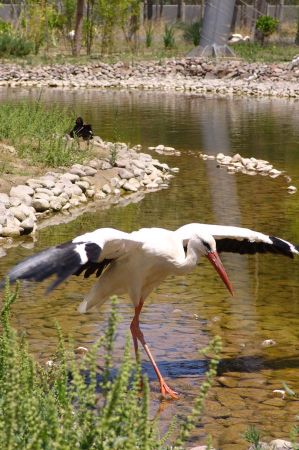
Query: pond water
182, 315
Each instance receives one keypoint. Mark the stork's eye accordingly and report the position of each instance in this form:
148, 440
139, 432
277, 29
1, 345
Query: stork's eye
207, 245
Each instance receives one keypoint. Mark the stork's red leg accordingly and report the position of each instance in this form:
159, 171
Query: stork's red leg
138, 336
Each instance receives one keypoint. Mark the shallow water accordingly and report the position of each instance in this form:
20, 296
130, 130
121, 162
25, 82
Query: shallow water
182, 315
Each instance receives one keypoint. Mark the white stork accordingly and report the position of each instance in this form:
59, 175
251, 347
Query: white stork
135, 263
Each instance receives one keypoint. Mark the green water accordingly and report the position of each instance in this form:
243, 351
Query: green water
183, 313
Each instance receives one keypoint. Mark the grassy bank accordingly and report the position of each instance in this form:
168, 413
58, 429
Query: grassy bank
73, 403
38, 134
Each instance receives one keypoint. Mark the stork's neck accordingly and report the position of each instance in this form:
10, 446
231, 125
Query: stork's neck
191, 259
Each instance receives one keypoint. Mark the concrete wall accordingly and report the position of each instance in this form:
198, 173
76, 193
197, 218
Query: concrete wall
192, 13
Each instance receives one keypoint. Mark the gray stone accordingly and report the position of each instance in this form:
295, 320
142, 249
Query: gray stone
106, 189
43, 190
128, 186
125, 174
58, 189
280, 444
20, 190
72, 190
83, 185
47, 182
4, 199
89, 171
63, 199
70, 176
56, 203
139, 164
43, 195
90, 193
41, 204
28, 225
74, 201
77, 171
10, 231
18, 212
105, 165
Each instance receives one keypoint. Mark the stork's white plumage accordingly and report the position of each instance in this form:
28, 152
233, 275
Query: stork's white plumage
135, 263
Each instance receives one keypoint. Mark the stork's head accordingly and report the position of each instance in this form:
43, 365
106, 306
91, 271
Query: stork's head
205, 245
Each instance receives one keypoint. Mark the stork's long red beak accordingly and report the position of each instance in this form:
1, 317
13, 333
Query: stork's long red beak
213, 257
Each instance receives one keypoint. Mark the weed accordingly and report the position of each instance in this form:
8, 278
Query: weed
253, 436
168, 37
40, 139
192, 32
74, 403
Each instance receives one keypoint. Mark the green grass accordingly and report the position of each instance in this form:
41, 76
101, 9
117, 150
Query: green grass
38, 134
268, 53
74, 404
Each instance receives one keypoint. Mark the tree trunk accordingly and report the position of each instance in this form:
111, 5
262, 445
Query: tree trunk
149, 9
179, 10
78, 28
235, 16
261, 7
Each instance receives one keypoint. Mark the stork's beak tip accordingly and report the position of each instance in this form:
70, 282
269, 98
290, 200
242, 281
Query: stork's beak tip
215, 260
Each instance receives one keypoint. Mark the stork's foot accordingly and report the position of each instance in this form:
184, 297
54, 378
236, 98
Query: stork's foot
167, 392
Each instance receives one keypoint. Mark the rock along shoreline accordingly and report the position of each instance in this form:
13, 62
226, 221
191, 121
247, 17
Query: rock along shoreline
192, 75
67, 191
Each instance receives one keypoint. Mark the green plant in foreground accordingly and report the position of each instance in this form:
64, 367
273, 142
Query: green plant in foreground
74, 404
253, 436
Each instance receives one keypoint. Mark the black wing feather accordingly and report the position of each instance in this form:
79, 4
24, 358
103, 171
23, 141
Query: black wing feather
245, 246
62, 261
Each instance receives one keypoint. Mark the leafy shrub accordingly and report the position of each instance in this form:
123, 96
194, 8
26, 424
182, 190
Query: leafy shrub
192, 32
168, 37
266, 25
11, 45
5, 27
72, 404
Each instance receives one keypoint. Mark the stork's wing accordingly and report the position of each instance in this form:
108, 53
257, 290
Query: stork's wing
239, 240
89, 253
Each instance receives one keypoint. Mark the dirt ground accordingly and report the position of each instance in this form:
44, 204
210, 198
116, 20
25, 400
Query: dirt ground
15, 171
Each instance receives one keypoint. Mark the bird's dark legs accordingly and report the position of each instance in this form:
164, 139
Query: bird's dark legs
138, 336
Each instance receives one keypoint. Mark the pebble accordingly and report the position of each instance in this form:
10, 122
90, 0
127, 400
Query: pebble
194, 75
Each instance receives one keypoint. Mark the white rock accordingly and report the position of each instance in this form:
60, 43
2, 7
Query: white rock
56, 204
106, 189
130, 187
10, 231
90, 193
281, 444
70, 176
28, 225
20, 190
268, 343
105, 165
4, 199
90, 171
125, 174
41, 204
292, 189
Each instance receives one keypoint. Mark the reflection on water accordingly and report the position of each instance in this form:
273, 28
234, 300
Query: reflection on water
183, 313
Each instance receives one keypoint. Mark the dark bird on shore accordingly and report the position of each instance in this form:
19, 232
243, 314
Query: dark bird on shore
82, 129
136, 263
